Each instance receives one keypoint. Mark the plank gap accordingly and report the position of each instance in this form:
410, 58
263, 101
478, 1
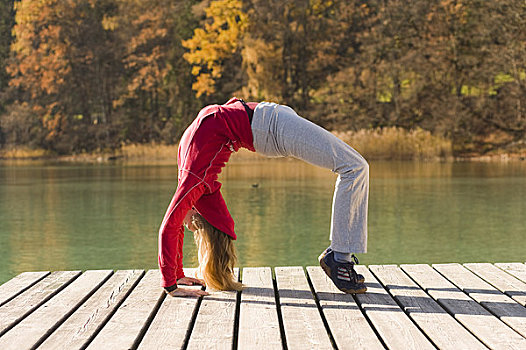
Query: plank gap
369, 322
467, 294
192, 323
149, 321
73, 309
426, 290
482, 324
110, 315
44, 300
237, 315
278, 309
320, 310
517, 270
258, 319
496, 303
443, 306
501, 280
31, 284
401, 306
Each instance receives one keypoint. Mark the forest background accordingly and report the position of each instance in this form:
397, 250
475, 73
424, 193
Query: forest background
96, 75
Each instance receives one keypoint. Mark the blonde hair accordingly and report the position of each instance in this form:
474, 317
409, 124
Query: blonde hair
216, 254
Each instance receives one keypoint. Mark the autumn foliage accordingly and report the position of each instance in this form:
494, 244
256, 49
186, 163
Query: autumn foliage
80, 75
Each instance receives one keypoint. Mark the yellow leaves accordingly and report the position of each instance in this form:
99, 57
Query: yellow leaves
204, 85
196, 70
28, 11
318, 8
110, 23
224, 28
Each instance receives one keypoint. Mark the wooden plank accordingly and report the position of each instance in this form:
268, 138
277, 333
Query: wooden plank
516, 269
302, 322
391, 322
510, 312
214, 325
37, 326
19, 284
258, 316
15, 310
486, 327
348, 325
90, 316
125, 327
443, 330
171, 323
504, 282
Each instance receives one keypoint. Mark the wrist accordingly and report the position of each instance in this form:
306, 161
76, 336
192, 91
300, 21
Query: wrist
170, 288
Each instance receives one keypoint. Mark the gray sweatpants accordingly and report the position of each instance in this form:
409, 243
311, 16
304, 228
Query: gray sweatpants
279, 132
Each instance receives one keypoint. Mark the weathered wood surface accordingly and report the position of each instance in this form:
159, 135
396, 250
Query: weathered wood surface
391, 322
515, 269
443, 330
79, 329
32, 298
302, 321
259, 326
477, 319
169, 327
501, 305
33, 329
125, 327
19, 284
447, 306
214, 324
501, 280
348, 325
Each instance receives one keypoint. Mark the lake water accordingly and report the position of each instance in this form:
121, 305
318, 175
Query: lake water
58, 217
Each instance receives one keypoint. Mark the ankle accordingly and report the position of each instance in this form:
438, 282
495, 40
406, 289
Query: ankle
343, 257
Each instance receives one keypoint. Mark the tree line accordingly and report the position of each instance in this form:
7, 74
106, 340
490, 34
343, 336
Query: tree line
82, 75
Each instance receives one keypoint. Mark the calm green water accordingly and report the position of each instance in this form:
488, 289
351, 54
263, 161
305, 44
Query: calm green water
56, 217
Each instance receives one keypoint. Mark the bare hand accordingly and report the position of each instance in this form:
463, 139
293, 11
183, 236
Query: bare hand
187, 292
190, 281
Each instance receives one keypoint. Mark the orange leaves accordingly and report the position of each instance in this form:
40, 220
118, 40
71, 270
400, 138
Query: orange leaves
57, 53
146, 28
39, 52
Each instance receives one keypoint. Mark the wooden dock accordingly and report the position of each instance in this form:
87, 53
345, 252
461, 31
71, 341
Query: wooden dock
445, 306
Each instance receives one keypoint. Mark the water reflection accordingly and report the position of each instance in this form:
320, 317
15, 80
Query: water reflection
95, 216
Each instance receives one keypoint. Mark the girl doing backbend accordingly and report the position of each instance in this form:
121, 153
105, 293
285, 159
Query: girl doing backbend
272, 130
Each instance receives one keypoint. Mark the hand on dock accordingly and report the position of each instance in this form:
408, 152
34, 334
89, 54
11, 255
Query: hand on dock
186, 292
190, 281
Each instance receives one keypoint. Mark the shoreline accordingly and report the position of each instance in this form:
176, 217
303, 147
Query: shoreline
161, 157
388, 144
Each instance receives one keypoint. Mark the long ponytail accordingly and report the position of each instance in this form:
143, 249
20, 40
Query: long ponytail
216, 254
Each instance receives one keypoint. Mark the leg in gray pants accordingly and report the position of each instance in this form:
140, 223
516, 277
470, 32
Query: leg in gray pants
279, 132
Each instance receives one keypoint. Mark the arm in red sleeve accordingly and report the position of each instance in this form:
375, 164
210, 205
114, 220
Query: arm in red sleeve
171, 232
179, 273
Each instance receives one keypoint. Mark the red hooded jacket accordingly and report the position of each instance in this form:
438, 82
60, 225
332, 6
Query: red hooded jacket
204, 149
